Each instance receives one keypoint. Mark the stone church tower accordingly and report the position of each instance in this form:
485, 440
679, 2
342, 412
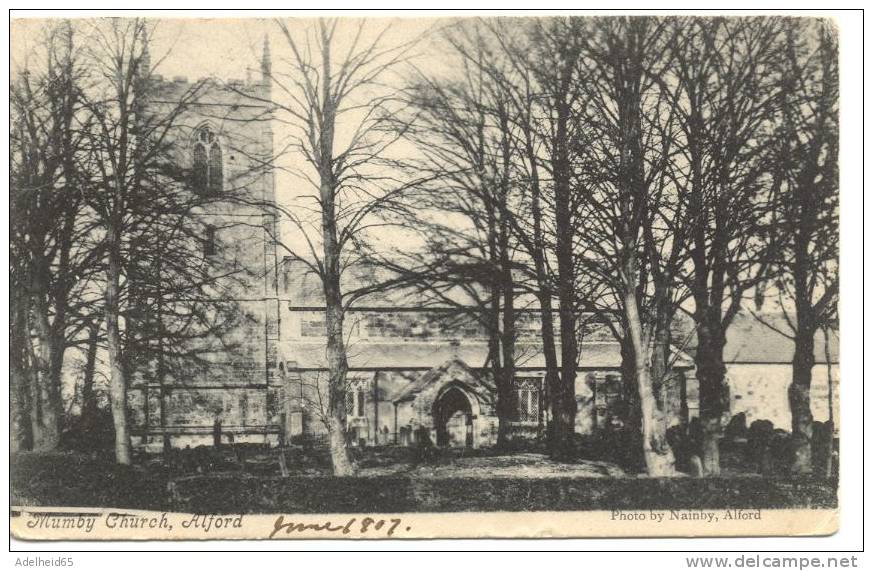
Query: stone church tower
229, 386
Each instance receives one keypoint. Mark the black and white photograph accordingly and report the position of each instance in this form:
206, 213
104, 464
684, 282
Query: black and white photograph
402, 277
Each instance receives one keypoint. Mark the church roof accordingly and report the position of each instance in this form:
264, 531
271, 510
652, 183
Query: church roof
424, 355
762, 339
750, 341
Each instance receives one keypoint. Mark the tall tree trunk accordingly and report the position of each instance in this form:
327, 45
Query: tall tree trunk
564, 399
632, 431
336, 350
550, 355
166, 439
60, 293
19, 406
338, 367
117, 377
36, 401
804, 337
544, 290
507, 329
707, 287
494, 317
827, 469
656, 453
661, 338
46, 393
798, 396
89, 396
639, 264
630, 391
507, 335
711, 370
20, 437
661, 372
334, 312
684, 413
495, 359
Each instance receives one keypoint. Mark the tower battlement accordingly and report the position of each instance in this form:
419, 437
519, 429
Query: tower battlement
233, 91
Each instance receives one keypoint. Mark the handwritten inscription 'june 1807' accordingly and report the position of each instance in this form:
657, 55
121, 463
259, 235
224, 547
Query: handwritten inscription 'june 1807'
363, 526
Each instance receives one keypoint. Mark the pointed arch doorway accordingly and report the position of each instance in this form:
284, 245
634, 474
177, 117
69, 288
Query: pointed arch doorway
453, 417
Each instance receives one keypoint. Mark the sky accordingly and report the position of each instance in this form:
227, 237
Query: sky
223, 47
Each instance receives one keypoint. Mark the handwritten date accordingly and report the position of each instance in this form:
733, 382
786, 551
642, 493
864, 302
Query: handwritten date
363, 526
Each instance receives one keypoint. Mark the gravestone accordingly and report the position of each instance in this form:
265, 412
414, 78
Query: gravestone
822, 447
736, 428
760, 439
695, 466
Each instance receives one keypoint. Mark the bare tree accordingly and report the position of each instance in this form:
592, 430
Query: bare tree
805, 163
137, 190
532, 226
338, 110
50, 224
629, 152
503, 132
725, 89
462, 128
557, 47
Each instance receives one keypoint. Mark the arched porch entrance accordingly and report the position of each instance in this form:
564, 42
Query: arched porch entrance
453, 417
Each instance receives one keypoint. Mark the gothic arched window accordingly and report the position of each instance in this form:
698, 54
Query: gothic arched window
207, 172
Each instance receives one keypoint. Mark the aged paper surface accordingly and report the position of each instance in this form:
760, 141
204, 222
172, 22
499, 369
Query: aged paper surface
381, 278
73, 524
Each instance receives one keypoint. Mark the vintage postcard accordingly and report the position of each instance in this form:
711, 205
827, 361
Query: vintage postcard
445, 277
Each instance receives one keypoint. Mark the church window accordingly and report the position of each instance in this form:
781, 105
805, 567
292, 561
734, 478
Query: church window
527, 393
356, 399
208, 174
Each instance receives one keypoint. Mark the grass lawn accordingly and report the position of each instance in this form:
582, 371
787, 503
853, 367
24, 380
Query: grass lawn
389, 480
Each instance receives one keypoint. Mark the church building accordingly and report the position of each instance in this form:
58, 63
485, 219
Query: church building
413, 366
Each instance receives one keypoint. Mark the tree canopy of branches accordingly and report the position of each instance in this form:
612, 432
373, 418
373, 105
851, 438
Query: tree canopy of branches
332, 94
106, 231
49, 248
642, 182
